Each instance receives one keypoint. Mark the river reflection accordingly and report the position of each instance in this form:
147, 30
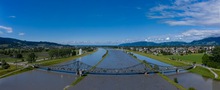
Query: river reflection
90, 59
150, 60
37, 80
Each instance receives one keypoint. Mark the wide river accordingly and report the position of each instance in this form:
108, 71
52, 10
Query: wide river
45, 80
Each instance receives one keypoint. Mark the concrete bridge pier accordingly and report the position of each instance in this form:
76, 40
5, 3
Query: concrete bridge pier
177, 71
79, 73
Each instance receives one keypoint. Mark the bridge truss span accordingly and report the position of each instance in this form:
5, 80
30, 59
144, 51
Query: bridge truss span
140, 68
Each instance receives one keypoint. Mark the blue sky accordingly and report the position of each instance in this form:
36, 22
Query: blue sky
109, 21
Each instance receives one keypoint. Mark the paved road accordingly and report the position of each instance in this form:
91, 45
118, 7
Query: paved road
209, 68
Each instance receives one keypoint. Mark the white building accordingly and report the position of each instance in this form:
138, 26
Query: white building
80, 51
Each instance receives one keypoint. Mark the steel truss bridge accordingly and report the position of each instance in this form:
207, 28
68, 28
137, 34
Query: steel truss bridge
141, 68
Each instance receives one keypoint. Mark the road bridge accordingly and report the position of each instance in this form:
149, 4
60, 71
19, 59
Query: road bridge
141, 68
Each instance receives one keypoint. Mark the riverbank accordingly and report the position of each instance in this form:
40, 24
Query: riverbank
202, 71
180, 87
163, 76
82, 77
61, 60
17, 71
198, 70
162, 59
118, 59
190, 58
12, 68
217, 72
28, 67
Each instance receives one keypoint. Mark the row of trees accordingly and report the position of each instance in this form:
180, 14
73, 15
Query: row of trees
54, 53
16, 51
31, 58
212, 60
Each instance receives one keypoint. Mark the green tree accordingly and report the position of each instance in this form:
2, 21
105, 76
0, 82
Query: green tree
73, 52
175, 80
19, 56
216, 54
52, 53
205, 59
191, 88
4, 64
31, 58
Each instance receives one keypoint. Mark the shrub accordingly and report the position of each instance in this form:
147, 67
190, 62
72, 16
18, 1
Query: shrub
175, 80
191, 88
4, 64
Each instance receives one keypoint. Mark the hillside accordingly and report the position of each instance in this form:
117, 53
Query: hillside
10, 42
202, 42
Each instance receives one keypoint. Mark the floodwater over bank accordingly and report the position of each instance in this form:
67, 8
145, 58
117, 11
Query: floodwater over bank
150, 60
196, 81
187, 79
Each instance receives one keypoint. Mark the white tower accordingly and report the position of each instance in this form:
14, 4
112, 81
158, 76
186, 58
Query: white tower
80, 51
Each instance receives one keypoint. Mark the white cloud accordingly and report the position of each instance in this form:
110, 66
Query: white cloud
7, 29
187, 36
12, 16
189, 12
168, 38
21, 34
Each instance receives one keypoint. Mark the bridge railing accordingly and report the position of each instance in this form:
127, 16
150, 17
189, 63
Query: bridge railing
138, 68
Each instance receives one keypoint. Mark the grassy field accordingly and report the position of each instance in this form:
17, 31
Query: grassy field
10, 59
198, 70
11, 69
18, 72
162, 59
217, 72
57, 61
188, 58
40, 55
203, 71
46, 63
